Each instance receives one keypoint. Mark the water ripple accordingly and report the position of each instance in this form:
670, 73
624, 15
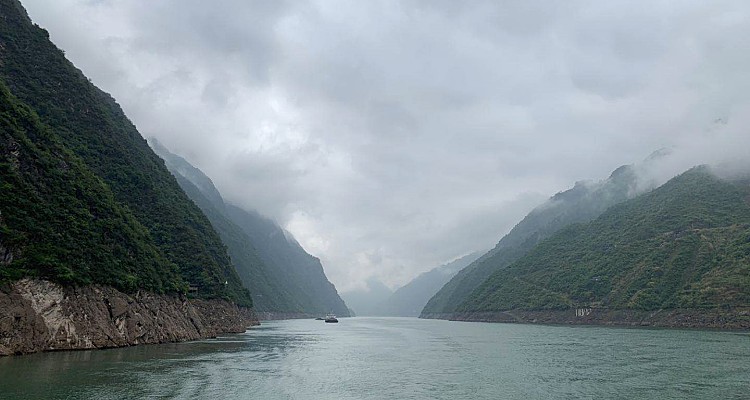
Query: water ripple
386, 358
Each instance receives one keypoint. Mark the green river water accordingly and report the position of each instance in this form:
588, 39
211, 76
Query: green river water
399, 358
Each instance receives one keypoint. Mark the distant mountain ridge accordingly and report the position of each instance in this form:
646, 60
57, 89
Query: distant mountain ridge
282, 277
368, 303
410, 299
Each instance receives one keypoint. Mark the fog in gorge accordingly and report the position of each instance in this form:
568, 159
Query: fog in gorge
374, 200
393, 137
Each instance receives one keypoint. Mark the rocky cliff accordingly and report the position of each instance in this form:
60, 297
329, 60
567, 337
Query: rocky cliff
41, 316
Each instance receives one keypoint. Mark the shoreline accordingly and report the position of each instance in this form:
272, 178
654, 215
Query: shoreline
45, 316
736, 319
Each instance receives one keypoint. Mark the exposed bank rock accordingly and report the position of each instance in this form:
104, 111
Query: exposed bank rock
714, 318
41, 315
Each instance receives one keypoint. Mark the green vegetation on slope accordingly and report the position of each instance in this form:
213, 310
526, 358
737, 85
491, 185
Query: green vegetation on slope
683, 245
60, 221
582, 203
290, 263
92, 126
268, 295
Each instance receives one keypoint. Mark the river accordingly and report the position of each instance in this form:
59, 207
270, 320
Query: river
399, 358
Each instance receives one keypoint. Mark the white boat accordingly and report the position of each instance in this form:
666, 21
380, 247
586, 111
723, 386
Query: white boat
331, 318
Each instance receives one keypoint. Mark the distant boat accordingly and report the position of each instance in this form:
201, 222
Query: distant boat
331, 318
319, 319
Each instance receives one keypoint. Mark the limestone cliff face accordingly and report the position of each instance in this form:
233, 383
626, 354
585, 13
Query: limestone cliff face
40, 315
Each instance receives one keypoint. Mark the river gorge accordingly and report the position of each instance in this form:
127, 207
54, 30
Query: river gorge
405, 358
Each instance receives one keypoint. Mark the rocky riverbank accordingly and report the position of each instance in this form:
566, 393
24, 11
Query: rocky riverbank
41, 316
728, 319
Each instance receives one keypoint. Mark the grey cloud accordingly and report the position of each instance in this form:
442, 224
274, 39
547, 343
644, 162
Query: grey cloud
392, 136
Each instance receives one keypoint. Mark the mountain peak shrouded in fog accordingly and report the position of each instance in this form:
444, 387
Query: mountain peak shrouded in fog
368, 301
680, 246
284, 280
390, 137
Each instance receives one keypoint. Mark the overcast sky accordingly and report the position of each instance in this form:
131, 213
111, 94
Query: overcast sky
390, 137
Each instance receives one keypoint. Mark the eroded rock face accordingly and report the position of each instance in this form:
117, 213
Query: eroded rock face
6, 256
38, 315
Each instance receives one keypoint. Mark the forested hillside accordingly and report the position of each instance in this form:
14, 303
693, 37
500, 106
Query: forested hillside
683, 245
583, 202
73, 164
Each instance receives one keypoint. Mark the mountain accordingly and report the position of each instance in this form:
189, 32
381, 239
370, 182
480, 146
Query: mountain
99, 245
52, 206
368, 302
410, 299
84, 198
283, 278
584, 202
290, 263
684, 245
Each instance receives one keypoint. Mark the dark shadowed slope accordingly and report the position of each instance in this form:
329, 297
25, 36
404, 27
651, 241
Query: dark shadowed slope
282, 277
290, 262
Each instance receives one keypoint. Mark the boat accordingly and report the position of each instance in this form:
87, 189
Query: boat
331, 318
319, 319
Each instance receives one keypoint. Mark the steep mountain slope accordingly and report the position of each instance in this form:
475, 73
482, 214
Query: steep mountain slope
162, 230
267, 293
583, 202
52, 207
683, 245
410, 299
290, 263
282, 277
